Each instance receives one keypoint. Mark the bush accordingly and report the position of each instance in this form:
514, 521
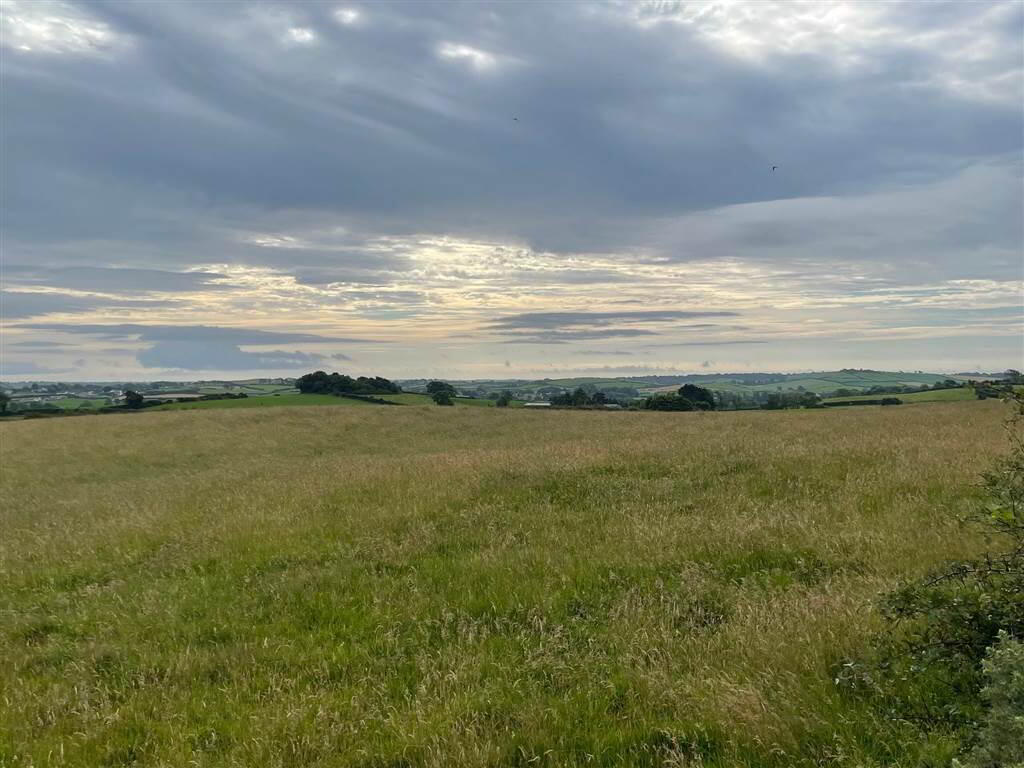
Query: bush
1001, 740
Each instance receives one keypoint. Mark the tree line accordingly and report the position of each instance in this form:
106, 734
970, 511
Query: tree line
320, 383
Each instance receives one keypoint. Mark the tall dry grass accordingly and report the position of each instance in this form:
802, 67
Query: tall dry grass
466, 587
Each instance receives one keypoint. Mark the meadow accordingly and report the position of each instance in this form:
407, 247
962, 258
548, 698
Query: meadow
388, 587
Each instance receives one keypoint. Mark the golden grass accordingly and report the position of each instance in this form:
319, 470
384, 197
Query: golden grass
466, 587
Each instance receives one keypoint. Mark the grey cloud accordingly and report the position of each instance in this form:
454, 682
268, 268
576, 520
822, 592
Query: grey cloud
565, 337
190, 333
16, 305
602, 353
710, 343
340, 356
39, 344
898, 151
221, 356
603, 143
569, 276
119, 280
911, 227
25, 368
538, 320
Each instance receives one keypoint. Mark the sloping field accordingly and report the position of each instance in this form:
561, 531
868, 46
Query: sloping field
330, 586
933, 396
823, 382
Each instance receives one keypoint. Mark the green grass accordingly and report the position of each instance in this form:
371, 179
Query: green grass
934, 396
79, 402
263, 401
411, 398
820, 383
468, 587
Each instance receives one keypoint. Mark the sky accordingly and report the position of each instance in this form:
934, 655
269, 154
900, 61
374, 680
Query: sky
509, 190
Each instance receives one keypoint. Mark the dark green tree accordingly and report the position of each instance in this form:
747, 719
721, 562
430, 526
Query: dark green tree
434, 387
702, 398
4, 400
668, 403
503, 399
133, 399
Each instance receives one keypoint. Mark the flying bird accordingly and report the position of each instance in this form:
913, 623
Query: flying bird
774, 167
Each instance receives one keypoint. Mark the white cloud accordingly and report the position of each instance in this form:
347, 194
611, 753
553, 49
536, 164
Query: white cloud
53, 28
301, 35
475, 57
966, 52
347, 16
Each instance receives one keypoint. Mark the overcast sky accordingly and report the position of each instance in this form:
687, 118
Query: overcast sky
518, 189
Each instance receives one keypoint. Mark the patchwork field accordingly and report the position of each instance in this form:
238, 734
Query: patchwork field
326, 586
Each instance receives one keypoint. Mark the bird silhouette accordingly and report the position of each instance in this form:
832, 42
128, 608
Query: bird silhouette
774, 167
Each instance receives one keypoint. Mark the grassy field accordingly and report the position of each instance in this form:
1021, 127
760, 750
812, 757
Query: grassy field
388, 587
411, 398
934, 396
79, 402
264, 401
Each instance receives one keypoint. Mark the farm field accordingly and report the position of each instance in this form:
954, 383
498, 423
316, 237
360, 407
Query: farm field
411, 398
79, 402
327, 586
261, 401
934, 396
265, 401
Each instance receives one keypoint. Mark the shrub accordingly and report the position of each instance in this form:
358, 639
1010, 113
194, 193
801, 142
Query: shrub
1001, 740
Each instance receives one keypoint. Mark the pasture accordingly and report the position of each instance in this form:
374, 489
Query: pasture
260, 401
266, 401
326, 586
932, 396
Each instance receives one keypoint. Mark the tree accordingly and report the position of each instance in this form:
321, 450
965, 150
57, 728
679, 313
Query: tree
434, 387
133, 399
4, 400
703, 399
443, 397
580, 397
503, 399
668, 403
320, 383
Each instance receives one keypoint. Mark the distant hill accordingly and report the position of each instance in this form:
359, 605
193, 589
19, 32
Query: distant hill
819, 382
